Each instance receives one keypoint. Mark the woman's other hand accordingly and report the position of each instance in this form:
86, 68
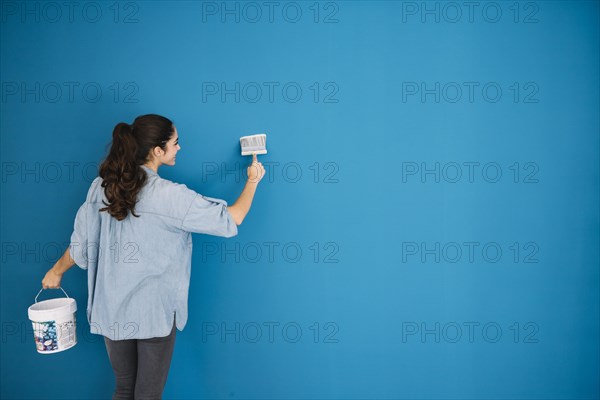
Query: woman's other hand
52, 279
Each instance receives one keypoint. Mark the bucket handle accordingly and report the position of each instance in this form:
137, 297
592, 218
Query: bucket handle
43, 289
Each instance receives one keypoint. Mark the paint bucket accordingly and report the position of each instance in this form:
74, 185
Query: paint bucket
53, 324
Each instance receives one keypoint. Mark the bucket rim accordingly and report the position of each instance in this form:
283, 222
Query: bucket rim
64, 306
58, 300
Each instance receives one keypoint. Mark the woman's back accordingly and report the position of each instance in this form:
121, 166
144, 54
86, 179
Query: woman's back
139, 267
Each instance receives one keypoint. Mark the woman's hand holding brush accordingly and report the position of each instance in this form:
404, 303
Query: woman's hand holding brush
255, 171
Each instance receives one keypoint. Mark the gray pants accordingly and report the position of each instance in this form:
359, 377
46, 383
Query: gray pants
141, 366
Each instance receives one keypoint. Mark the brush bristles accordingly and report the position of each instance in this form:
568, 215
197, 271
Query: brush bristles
254, 144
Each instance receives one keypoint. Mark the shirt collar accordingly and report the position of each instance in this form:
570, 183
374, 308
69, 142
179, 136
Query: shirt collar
149, 170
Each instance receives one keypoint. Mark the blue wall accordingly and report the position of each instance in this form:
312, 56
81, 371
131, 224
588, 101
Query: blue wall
431, 203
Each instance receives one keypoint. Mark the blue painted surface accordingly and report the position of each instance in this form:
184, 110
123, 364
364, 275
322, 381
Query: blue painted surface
429, 225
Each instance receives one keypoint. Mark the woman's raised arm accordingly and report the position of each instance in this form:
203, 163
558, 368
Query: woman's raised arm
240, 208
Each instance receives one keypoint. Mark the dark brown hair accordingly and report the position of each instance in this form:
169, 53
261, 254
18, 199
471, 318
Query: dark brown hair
121, 171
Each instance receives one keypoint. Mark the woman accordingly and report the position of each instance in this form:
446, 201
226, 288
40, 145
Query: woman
139, 265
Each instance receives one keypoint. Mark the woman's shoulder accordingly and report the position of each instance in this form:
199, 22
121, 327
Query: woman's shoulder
95, 187
174, 191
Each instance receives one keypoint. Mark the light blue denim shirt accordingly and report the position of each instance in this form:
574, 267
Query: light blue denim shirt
139, 268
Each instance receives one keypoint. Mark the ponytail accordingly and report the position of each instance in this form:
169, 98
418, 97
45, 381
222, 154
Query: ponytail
121, 171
